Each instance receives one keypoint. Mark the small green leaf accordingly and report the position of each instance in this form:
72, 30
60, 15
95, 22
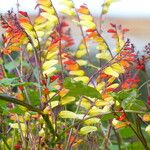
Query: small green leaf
15, 82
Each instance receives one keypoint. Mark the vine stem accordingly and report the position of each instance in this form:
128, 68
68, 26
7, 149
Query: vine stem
144, 84
107, 137
82, 33
118, 138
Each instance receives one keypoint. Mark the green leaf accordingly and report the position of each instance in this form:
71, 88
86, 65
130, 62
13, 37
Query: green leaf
8, 81
12, 65
18, 110
15, 82
135, 145
133, 104
34, 97
125, 94
107, 117
126, 132
77, 89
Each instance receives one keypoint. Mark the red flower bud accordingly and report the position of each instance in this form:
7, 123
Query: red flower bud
46, 91
17, 147
122, 117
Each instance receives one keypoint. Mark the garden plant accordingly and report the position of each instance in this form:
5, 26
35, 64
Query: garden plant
57, 94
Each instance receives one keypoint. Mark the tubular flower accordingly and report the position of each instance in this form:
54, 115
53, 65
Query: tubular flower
14, 36
68, 7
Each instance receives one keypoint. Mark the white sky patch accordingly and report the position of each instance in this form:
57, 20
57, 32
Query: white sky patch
123, 8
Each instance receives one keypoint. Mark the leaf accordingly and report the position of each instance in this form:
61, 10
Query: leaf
87, 129
11, 66
133, 104
126, 132
34, 97
18, 110
15, 82
67, 114
107, 117
84, 79
77, 88
8, 81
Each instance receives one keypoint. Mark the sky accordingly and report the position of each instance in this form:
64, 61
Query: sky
122, 8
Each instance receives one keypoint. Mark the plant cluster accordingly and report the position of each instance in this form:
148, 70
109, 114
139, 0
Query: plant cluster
54, 98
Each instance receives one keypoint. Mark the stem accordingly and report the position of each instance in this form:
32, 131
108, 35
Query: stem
141, 140
49, 125
138, 122
84, 41
18, 102
107, 137
144, 84
118, 138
